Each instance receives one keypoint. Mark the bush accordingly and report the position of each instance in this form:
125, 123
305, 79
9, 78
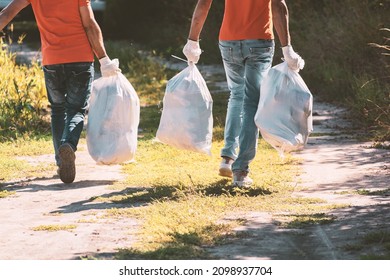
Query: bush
161, 25
22, 97
147, 75
334, 39
341, 63
372, 102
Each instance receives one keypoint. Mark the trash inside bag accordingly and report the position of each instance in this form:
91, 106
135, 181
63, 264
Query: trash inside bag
187, 120
113, 120
284, 114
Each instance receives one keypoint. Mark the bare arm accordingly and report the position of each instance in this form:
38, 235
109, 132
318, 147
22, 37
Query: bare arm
93, 31
281, 21
9, 12
198, 19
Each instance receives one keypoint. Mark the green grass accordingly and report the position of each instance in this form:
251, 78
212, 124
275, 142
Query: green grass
376, 243
52, 228
23, 102
303, 220
5, 193
13, 167
385, 192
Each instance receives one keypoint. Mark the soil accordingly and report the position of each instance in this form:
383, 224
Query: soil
335, 167
339, 170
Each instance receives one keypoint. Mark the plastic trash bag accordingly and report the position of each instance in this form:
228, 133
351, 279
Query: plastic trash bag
113, 120
187, 120
284, 114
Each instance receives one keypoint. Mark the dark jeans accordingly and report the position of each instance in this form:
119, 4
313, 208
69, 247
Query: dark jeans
68, 88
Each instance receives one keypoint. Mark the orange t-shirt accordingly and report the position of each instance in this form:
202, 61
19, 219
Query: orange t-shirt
63, 37
246, 20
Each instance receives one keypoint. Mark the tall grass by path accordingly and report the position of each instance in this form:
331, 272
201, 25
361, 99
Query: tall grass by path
339, 42
23, 102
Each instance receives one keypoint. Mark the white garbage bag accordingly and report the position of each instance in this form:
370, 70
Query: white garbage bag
113, 119
187, 120
284, 114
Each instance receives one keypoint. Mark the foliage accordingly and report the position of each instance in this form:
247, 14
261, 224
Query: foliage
373, 96
163, 25
22, 97
142, 69
342, 64
334, 38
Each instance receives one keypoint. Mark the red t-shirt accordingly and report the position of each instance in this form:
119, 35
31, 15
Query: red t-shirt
63, 37
247, 19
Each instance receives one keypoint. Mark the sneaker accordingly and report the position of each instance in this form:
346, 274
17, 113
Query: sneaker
241, 179
67, 169
225, 168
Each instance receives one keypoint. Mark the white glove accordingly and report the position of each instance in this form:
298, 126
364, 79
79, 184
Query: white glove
109, 67
192, 51
294, 61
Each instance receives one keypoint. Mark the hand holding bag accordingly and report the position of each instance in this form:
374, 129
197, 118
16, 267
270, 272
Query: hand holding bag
113, 120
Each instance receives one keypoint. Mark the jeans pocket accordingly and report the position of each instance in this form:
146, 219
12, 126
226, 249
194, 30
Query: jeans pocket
80, 81
226, 52
263, 54
52, 78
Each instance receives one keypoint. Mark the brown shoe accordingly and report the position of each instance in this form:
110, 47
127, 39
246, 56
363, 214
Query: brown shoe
67, 168
225, 168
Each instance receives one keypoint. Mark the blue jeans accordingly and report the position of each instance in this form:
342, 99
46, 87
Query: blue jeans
246, 63
68, 88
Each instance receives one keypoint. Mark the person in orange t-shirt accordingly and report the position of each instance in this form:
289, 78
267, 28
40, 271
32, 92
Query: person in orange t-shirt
246, 42
70, 37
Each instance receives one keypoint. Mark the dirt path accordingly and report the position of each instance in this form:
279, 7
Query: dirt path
47, 202
334, 166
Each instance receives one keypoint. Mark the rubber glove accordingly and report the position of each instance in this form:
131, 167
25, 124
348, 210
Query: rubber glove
109, 67
294, 61
192, 51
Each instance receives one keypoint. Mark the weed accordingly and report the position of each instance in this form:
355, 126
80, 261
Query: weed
54, 227
23, 101
378, 242
384, 192
5, 193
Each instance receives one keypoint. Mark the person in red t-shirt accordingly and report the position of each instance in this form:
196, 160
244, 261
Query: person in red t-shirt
70, 37
246, 42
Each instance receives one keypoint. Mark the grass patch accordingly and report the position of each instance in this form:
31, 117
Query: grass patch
52, 228
5, 193
379, 145
385, 192
381, 240
14, 168
377, 243
85, 221
303, 220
